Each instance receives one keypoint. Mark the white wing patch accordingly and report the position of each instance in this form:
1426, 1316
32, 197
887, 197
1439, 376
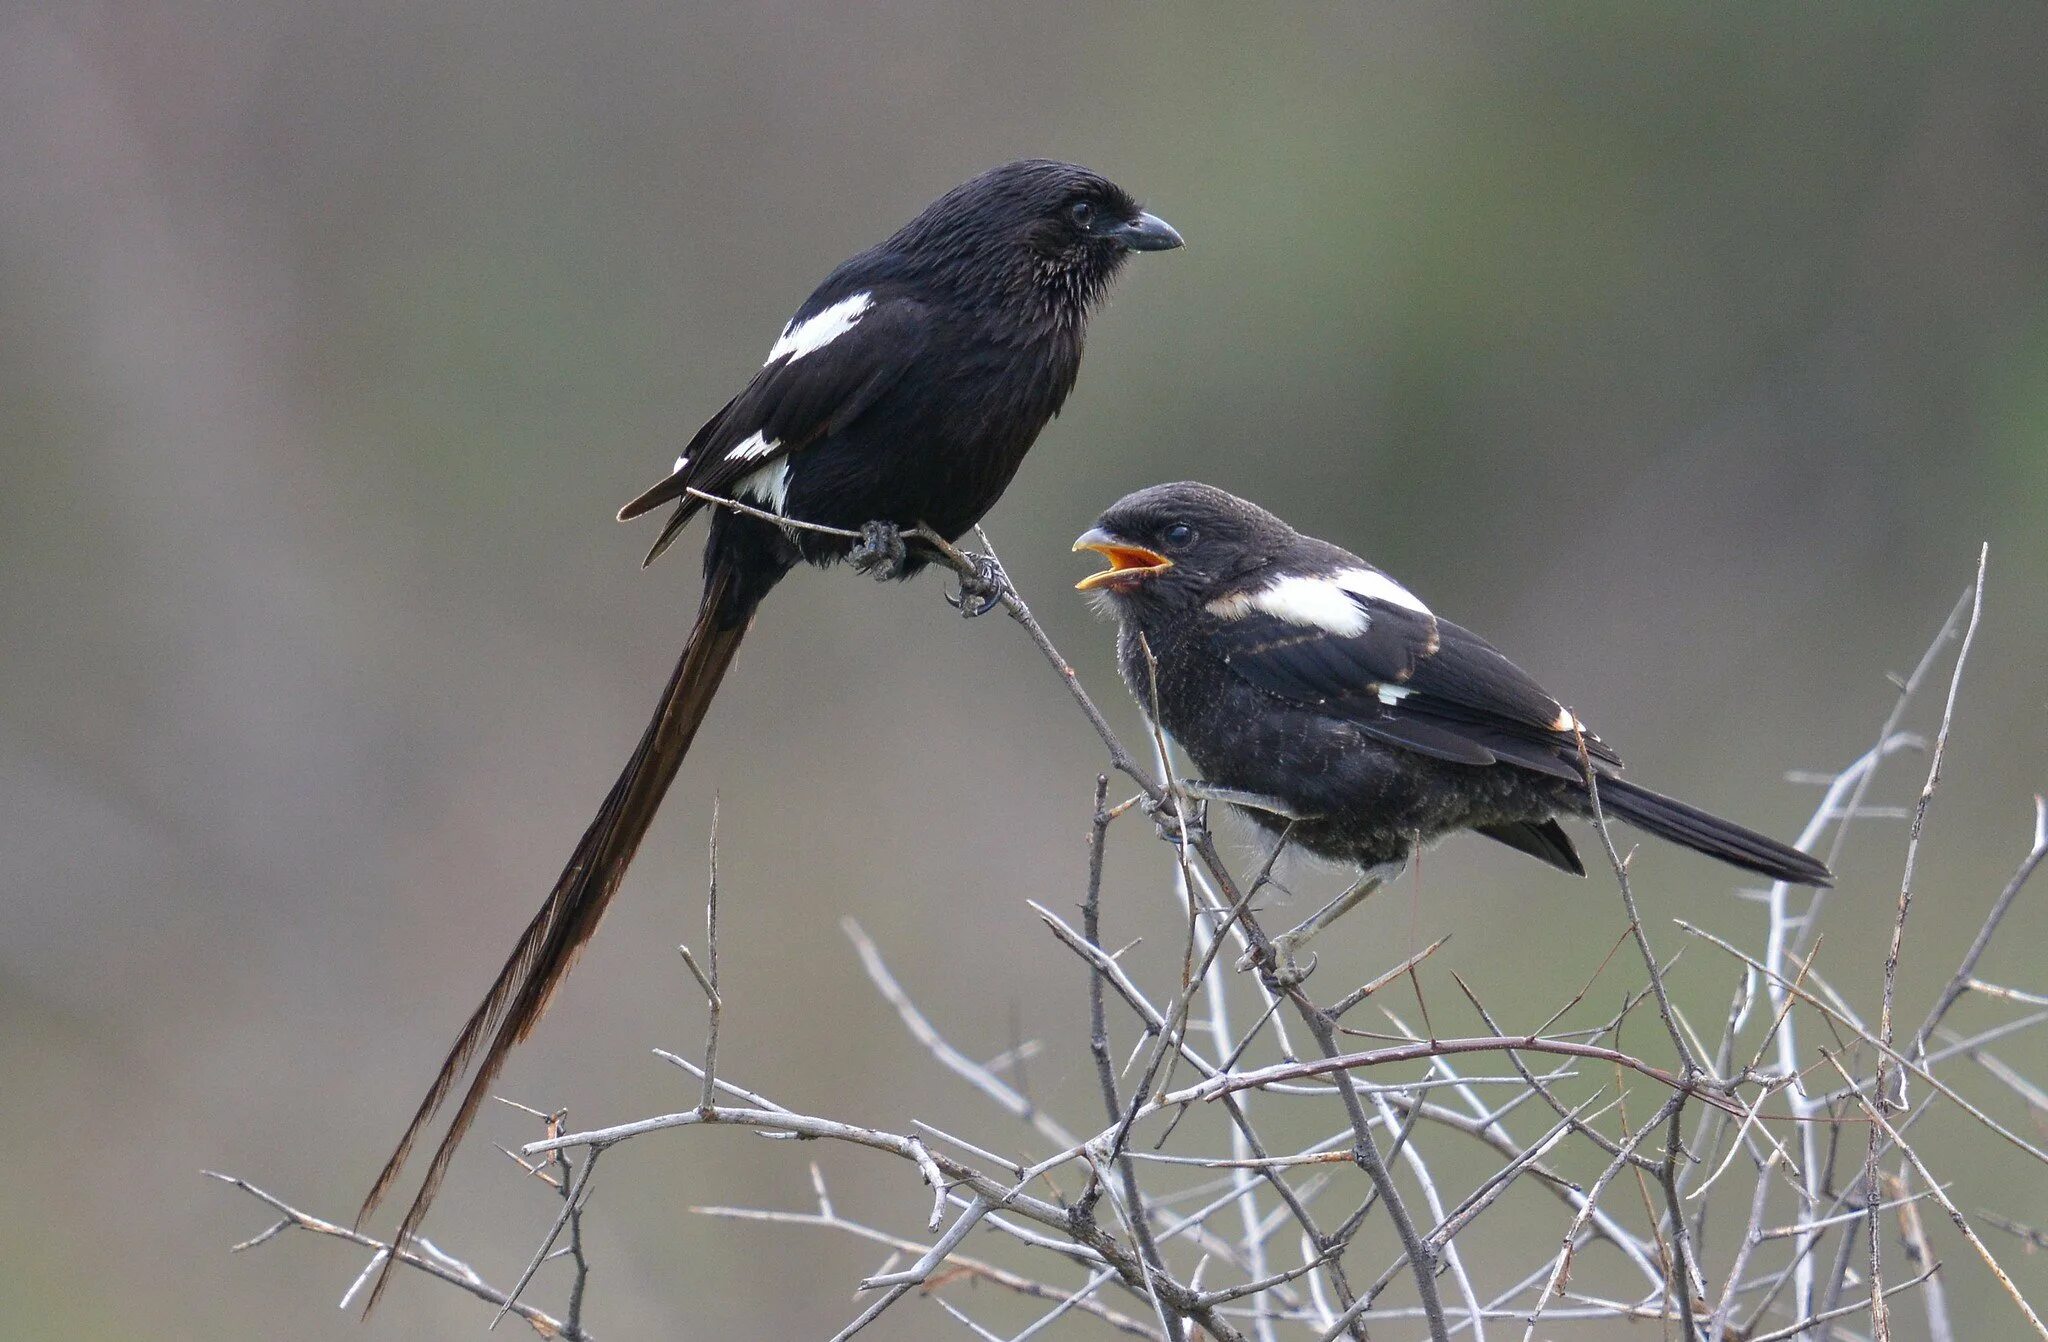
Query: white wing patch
815, 332
1391, 694
1330, 603
769, 486
1312, 601
1372, 583
757, 444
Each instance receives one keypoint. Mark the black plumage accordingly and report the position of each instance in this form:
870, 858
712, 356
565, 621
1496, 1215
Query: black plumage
1292, 671
906, 389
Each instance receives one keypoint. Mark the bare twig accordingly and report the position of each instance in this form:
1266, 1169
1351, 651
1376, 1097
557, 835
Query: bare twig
1561, 1266
1955, 1215
1964, 977
707, 974
828, 1218
573, 1195
921, 1029
434, 1263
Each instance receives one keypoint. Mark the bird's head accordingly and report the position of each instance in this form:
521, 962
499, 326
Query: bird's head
1179, 546
1055, 231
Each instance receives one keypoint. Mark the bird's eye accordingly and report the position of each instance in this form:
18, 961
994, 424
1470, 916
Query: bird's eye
1082, 212
1180, 533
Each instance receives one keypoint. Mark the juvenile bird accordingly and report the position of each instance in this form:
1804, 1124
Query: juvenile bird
1312, 690
906, 389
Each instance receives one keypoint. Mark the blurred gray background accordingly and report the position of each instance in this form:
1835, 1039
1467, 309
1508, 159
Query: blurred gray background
1688, 353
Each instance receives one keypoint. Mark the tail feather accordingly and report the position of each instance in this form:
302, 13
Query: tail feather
1669, 818
549, 945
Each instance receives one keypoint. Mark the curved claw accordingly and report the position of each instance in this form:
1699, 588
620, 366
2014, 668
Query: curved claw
983, 592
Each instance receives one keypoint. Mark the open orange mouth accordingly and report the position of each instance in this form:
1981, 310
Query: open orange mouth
1128, 564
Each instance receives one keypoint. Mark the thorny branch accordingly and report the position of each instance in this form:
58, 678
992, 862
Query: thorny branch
424, 1257
1880, 1311
1174, 1211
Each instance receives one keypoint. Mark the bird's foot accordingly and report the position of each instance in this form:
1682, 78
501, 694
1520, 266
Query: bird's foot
880, 551
982, 591
1183, 816
1277, 965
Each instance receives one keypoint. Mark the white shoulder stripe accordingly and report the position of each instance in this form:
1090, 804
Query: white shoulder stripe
1312, 601
815, 332
1326, 602
1372, 583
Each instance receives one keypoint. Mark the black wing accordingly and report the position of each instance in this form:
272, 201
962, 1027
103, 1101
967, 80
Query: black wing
795, 400
1406, 677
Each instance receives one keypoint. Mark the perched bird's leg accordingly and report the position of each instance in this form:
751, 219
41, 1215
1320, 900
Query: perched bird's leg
880, 552
1287, 943
983, 591
1251, 801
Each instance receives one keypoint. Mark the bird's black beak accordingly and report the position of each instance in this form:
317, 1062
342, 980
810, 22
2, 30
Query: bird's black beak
1146, 233
1128, 563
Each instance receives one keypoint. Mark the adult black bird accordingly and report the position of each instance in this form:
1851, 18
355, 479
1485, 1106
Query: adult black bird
1312, 689
906, 389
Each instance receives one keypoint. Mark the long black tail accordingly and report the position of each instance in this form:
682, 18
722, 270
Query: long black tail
1669, 818
548, 946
